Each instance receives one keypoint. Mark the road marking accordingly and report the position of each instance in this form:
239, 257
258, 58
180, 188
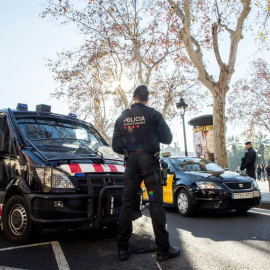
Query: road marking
10, 268
58, 253
26, 246
260, 211
158, 265
59, 256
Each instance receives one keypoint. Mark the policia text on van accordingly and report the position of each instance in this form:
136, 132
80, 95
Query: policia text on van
55, 170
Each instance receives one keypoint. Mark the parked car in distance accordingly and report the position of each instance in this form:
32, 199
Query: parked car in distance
195, 183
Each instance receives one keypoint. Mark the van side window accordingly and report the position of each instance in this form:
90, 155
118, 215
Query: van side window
8, 145
1, 122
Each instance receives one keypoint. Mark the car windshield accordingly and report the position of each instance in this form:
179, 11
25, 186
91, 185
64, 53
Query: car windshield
195, 164
59, 131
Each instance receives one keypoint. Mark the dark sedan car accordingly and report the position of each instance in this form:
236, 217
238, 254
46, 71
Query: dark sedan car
195, 183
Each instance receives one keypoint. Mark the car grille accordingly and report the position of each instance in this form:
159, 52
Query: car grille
233, 185
99, 181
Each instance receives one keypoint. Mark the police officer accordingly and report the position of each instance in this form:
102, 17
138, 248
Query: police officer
249, 160
138, 132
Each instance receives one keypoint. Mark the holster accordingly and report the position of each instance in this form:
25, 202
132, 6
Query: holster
161, 174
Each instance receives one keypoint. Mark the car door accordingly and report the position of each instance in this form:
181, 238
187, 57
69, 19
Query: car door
168, 189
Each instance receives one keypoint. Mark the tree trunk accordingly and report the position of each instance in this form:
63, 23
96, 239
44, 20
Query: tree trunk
219, 122
234, 158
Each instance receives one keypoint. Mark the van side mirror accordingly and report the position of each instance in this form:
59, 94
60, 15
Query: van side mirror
2, 141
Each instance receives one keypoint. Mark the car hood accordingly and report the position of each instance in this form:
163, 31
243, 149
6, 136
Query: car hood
224, 176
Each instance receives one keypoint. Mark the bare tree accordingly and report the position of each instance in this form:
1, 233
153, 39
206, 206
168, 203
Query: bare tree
202, 26
126, 43
249, 99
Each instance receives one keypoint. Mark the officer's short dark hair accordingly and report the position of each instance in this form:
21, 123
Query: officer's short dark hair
141, 93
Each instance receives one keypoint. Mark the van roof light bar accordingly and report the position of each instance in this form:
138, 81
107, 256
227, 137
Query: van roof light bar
22, 107
74, 115
43, 108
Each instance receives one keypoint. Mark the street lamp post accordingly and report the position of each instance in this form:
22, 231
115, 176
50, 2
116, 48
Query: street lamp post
182, 106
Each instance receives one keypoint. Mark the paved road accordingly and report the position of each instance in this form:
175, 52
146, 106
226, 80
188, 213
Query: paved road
210, 240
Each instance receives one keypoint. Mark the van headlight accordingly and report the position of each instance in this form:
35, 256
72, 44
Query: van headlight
53, 180
207, 185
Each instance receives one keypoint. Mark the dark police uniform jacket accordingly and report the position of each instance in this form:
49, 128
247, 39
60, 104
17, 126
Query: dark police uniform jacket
250, 158
140, 130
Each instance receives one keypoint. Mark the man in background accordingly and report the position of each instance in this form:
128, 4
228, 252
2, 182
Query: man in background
249, 160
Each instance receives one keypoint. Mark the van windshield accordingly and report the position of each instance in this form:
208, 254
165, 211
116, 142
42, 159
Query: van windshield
60, 131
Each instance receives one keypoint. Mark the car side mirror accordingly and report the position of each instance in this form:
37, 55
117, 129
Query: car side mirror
2, 141
169, 171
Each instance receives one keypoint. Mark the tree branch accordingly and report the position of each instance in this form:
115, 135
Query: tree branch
236, 36
215, 45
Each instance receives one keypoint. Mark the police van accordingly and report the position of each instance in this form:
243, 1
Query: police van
55, 171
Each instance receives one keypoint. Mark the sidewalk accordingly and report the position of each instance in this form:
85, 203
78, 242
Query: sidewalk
264, 187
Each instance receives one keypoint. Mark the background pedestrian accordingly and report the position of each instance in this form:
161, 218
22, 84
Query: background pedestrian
249, 160
267, 171
259, 172
263, 172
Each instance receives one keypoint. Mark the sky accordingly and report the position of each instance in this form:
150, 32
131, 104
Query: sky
27, 41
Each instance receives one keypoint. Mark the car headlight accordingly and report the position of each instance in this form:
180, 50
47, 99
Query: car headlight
53, 180
254, 184
207, 185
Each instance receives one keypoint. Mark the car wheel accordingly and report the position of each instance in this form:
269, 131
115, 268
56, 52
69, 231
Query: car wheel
16, 220
184, 203
242, 210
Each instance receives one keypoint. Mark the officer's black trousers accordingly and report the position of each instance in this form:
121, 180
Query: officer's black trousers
141, 167
251, 172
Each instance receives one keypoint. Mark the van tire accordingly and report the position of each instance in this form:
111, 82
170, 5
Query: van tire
16, 220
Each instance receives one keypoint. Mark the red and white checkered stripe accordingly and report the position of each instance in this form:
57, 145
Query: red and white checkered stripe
90, 168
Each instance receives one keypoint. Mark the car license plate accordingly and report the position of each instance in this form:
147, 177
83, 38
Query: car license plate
244, 195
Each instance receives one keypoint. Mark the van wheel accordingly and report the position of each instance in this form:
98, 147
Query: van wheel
16, 220
184, 203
